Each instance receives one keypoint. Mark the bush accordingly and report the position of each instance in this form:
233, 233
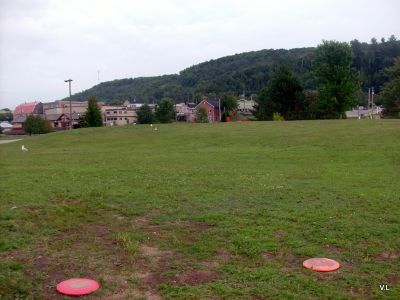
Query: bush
36, 125
277, 117
201, 115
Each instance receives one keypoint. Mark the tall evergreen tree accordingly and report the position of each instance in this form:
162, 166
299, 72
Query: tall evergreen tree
338, 80
283, 94
92, 117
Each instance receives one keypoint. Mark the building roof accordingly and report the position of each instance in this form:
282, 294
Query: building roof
25, 108
213, 102
54, 117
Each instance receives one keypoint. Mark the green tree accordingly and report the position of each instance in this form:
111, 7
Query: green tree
6, 115
201, 115
338, 81
283, 94
391, 92
228, 104
165, 111
92, 117
145, 115
36, 125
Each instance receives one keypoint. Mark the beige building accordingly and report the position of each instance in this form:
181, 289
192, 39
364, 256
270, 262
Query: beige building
185, 112
62, 107
246, 107
118, 115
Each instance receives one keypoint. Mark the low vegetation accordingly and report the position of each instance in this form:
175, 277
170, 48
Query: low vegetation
204, 211
36, 125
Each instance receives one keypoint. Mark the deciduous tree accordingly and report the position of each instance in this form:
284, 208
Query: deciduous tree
338, 81
165, 111
283, 94
145, 115
36, 125
391, 92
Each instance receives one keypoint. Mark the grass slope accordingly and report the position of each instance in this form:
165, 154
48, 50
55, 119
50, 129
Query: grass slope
199, 211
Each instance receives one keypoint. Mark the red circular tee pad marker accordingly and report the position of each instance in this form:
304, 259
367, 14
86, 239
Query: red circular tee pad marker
321, 264
77, 286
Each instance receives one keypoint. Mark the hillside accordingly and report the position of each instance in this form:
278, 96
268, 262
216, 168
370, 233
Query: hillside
247, 72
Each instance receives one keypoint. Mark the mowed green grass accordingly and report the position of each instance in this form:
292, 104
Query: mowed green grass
266, 194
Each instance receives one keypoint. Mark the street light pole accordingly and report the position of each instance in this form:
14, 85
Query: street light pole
70, 103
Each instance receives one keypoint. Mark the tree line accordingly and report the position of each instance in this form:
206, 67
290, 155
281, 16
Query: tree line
246, 73
338, 88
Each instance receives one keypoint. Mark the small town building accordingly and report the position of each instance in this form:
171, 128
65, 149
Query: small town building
119, 116
212, 106
21, 112
24, 109
185, 112
137, 106
246, 107
62, 107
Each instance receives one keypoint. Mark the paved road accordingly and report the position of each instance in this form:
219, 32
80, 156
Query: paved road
8, 141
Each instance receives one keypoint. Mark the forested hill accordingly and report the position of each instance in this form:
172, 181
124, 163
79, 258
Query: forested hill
247, 72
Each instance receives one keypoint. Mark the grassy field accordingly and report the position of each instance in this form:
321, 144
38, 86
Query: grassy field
204, 211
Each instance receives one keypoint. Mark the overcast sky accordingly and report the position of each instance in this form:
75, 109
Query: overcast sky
44, 42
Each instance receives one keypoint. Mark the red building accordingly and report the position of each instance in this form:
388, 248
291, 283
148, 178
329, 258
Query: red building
22, 111
212, 106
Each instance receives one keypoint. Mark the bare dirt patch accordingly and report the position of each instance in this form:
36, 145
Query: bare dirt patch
196, 277
333, 249
65, 201
280, 234
389, 255
269, 256
393, 279
220, 256
196, 225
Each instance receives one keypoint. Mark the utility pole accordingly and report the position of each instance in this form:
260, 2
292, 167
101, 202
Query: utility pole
219, 108
70, 103
372, 103
369, 99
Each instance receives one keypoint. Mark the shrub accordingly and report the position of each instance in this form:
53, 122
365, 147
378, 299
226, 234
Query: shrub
36, 125
201, 115
277, 117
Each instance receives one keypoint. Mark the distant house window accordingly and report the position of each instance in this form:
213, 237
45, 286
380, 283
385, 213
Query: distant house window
120, 111
210, 110
108, 112
125, 112
120, 118
115, 111
126, 118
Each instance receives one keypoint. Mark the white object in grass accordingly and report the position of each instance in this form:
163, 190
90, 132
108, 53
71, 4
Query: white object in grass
23, 148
